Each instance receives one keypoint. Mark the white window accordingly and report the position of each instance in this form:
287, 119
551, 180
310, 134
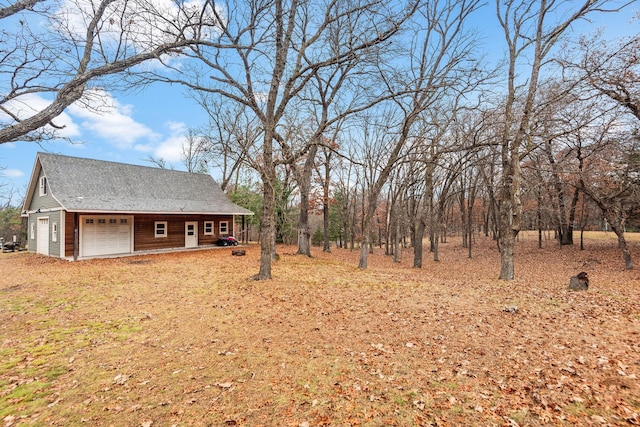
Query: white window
43, 185
54, 232
224, 227
208, 227
161, 229
33, 230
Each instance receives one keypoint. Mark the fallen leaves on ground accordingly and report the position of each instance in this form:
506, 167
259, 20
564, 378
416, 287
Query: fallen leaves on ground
189, 339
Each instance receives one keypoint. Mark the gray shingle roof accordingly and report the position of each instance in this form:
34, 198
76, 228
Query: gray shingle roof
80, 184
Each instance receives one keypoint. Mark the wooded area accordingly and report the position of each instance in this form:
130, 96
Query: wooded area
392, 120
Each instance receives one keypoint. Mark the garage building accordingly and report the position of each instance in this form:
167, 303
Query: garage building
83, 208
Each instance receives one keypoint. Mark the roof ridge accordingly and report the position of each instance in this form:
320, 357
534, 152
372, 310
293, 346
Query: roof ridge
88, 159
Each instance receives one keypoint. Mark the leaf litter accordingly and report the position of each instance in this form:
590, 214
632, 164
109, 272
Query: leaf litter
188, 339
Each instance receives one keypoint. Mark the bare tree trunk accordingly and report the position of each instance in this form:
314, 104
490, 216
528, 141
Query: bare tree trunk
364, 251
470, 203
304, 233
539, 211
524, 27
509, 217
572, 212
398, 247
565, 229
304, 185
436, 244
267, 225
426, 210
326, 246
463, 215
622, 244
417, 245
354, 221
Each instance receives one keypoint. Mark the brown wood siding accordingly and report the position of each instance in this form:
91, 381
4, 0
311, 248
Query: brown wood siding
68, 234
144, 230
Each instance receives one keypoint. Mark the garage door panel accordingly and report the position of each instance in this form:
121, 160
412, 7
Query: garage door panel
106, 235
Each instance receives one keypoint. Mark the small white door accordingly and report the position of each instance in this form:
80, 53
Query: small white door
42, 246
190, 234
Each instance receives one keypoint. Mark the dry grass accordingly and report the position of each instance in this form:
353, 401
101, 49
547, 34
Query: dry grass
189, 340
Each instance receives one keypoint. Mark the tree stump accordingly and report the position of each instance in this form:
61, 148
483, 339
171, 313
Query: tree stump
238, 252
579, 282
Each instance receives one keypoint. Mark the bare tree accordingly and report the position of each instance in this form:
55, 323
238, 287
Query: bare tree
324, 172
230, 138
195, 153
78, 48
613, 69
266, 53
531, 30
437, 55
608, 170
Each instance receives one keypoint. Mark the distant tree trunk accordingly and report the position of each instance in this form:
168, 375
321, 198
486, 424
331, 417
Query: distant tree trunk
426, 209
539, 220
615, 216
622, 244
354, 221
418, 236
436, 229
397, 254
565, 228
304, 233
572, 212
325, 206
364, 251
470, 202
463, 215
435, 244
304, 185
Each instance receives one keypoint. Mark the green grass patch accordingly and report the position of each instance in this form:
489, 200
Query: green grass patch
521, 417
25, 399
444, 384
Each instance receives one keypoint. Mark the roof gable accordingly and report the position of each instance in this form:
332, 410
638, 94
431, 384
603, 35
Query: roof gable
88, 185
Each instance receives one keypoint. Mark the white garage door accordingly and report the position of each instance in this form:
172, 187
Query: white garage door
105, 235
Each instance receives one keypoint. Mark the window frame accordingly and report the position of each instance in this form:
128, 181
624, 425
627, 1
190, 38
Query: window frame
54, 232
210, 226
226, 227
164, 228
43, 185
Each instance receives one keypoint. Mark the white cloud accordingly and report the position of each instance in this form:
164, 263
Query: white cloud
141, 24
171, 148
98, 112
12, 173
107, 118
27, 105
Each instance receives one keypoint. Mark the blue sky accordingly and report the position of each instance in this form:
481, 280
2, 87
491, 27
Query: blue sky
150, 123
154, 122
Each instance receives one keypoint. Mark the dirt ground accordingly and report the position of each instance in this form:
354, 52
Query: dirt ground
187, 339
